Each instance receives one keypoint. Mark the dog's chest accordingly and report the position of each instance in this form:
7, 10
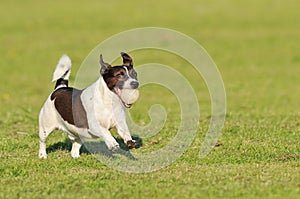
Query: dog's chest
100, 104
107, 113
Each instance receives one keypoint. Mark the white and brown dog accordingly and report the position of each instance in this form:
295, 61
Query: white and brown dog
90, 112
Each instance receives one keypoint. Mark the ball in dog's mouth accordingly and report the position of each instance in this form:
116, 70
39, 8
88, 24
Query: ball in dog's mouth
127, 96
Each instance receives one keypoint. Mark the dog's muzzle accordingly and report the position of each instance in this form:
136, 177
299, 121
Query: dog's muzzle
118, 93
134, 84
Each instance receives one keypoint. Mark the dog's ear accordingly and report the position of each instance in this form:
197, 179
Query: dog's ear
127, 61
104, 66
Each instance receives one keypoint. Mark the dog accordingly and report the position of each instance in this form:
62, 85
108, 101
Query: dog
90, 112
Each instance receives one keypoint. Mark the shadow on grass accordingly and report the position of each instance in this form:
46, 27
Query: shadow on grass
96, 148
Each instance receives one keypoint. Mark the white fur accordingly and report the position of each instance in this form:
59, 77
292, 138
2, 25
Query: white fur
63, 68
103, 108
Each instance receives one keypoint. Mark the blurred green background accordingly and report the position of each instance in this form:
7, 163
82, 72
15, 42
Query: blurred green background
254, 43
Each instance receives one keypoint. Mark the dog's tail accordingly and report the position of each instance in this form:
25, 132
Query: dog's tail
62, 72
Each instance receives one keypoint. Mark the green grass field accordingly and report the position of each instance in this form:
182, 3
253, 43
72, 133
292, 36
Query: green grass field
256, 47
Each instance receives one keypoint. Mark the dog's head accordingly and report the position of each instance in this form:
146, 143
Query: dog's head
119, 77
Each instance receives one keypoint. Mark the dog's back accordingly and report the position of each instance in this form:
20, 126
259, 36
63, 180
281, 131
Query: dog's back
68, 104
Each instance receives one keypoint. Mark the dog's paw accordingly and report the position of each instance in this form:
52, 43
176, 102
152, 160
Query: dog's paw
75, 154
114, 148
131, 144
42, 155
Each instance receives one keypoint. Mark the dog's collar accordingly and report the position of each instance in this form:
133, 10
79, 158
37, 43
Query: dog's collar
117, 91
60, 86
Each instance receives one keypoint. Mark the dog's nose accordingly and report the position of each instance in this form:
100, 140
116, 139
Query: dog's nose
134, 84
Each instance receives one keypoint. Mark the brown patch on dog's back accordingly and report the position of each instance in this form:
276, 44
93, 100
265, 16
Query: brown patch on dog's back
69, 106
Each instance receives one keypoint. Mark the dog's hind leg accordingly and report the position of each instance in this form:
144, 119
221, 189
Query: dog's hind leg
47, 123
43, 134
76, 145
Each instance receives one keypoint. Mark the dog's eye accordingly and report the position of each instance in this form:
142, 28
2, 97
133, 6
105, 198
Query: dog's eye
134, 74
121, 74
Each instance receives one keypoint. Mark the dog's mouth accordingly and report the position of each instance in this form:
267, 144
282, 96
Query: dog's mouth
118, 93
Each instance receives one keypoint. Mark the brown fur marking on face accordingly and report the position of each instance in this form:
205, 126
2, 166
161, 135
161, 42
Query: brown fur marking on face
69, 106
115, 75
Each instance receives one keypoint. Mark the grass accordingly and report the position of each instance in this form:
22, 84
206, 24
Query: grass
254, 44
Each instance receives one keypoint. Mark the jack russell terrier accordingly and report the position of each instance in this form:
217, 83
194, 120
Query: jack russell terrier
90, 112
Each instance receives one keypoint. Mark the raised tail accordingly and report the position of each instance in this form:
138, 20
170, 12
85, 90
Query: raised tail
62, 72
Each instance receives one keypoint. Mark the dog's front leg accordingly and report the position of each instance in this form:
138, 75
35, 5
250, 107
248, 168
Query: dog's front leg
124, 132
103, 133
121, 125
